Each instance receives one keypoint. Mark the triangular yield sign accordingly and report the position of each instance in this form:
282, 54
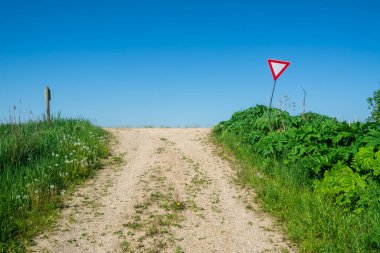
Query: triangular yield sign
277, 67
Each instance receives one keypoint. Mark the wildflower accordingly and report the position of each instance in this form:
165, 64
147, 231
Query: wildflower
63, 192
36, 191
52, 186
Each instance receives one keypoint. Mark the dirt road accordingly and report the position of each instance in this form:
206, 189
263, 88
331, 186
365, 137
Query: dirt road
172, 194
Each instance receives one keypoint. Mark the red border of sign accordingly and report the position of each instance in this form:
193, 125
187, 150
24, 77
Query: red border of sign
277, 61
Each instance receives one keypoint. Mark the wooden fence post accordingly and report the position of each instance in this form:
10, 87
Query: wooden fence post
48, 98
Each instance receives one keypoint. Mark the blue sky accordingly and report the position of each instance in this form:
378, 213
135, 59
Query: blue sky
184, 63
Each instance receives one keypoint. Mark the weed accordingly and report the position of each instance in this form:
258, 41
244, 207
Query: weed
178, 249
126, 246
118, 160
133, 225
152, 230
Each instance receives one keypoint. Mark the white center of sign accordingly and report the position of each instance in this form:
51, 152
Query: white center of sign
277, 67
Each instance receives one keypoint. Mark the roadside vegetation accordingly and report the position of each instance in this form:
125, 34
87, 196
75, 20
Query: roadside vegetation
39, 163
319, 176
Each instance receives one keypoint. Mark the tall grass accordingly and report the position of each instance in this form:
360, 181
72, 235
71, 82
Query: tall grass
39, 161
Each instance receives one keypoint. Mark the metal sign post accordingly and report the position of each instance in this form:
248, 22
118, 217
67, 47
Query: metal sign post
274, 86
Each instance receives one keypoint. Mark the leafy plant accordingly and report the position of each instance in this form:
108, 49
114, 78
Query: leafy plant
345, 188
367, 162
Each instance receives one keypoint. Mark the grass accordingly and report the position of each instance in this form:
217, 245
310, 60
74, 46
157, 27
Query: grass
125, 246
315, 224
39, 164
150, 228
179, 250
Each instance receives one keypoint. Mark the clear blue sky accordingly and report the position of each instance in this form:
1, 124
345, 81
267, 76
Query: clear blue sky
180, 63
